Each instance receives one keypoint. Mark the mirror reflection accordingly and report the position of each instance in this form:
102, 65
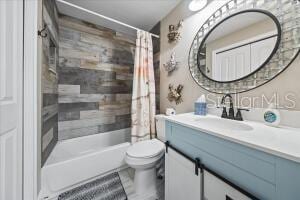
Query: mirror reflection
238, 46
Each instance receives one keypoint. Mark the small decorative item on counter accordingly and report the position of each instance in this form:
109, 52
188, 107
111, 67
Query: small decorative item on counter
174, 35
175, 94
201, 106
171, 65
272, 116
170, 111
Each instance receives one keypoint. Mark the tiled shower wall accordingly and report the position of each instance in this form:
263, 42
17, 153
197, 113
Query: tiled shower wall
156, 63
49, 80
95, 79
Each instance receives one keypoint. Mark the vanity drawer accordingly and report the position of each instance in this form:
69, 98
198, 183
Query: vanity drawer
252, 170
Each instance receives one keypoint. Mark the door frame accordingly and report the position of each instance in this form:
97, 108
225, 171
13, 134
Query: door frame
32, 100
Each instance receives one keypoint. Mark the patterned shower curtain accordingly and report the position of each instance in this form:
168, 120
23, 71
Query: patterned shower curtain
143, 94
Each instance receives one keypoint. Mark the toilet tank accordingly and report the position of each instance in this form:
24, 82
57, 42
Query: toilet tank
160, 126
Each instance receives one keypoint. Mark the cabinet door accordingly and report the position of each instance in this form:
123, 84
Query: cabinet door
216, 189
181, 180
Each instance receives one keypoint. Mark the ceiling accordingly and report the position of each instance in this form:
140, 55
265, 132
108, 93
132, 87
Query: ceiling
143, 14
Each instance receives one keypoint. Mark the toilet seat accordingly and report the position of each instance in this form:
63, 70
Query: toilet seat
142, 163
146, 149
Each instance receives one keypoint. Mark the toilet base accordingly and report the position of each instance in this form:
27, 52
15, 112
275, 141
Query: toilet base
145, 181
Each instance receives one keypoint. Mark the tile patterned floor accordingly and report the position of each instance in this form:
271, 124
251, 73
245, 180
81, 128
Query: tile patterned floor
126, 177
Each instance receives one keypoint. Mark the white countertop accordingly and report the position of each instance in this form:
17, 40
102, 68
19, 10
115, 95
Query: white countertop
280, 141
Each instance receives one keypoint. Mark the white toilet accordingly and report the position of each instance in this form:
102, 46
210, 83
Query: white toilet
143, 157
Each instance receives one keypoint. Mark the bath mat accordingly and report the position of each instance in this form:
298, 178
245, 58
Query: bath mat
105, 188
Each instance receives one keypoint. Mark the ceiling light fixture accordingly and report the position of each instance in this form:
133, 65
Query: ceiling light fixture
196, 5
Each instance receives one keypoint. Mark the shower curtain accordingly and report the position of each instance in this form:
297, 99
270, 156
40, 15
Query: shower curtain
143, 94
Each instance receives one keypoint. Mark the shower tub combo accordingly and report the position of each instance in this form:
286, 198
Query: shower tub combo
79, 160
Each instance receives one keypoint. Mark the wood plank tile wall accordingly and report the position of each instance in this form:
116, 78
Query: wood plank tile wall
49, 80
156, 63
95, 79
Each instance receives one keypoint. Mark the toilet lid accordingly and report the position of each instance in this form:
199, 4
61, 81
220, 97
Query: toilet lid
146, 149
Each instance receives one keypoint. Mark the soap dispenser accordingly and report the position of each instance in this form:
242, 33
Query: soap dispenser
272, 116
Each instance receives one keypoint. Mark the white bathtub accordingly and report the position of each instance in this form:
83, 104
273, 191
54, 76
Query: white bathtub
78, 160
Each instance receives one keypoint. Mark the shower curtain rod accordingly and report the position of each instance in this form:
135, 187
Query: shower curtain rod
102, 16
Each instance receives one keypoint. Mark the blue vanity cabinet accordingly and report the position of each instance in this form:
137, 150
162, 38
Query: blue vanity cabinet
263, 175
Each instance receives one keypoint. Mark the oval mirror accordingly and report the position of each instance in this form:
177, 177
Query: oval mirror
238, 46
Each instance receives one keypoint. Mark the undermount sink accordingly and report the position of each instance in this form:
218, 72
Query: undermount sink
224, 124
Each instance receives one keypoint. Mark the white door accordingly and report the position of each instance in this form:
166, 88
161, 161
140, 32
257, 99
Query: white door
231, 64
260, 51
216, 189
11, 72
181, 181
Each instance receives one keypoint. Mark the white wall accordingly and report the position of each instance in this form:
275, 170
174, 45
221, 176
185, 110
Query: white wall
286, 83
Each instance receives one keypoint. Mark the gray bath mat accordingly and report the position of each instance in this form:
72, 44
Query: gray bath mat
105, 188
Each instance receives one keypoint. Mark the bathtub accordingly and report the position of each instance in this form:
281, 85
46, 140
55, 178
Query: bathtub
75, 161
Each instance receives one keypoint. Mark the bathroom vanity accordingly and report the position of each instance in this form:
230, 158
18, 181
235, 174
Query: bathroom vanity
241, 160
